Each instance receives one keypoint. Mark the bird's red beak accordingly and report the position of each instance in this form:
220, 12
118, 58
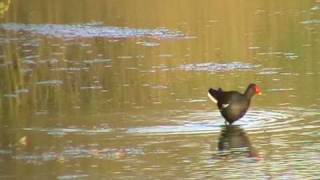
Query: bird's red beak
258, 91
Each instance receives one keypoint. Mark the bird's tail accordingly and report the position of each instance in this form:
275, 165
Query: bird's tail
214, 94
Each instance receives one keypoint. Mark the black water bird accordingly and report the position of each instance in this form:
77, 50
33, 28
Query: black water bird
232, 104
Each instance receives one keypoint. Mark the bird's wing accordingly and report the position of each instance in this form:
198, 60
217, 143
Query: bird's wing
231, 100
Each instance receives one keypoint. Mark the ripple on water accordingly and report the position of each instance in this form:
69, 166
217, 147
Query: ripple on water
97, 61
65, 131
256, 120
91, 87
50, 83
148, 44
311, 22
71, 153
16, 93
91, 30
217, 67
73, 176
204, 122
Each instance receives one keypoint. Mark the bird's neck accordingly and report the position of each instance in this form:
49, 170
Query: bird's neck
249, 93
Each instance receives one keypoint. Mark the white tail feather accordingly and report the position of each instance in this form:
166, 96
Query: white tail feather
212, 98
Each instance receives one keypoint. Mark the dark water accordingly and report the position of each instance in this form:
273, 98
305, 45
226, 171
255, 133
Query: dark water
118, 89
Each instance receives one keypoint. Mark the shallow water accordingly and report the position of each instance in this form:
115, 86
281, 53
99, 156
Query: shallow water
113, 92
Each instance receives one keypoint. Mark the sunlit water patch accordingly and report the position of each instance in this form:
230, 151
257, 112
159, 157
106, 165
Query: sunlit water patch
91, 31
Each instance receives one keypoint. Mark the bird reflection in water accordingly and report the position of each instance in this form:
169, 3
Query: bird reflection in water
234, 140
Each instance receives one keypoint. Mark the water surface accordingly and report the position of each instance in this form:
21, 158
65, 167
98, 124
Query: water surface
118, 90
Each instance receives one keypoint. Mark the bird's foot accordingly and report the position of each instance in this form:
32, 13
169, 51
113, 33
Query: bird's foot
227, 123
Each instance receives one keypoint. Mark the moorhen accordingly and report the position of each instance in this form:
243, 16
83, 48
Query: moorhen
232, 104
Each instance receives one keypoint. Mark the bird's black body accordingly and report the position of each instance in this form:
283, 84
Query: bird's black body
232, 104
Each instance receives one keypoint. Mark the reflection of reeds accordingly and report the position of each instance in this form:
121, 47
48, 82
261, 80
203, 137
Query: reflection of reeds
138, 76
12, 80
4, 7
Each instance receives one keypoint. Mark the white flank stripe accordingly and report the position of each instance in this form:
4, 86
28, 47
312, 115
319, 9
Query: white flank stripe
212, 98
225, 105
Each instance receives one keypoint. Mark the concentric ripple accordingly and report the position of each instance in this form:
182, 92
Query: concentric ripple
204, 122
256, 120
